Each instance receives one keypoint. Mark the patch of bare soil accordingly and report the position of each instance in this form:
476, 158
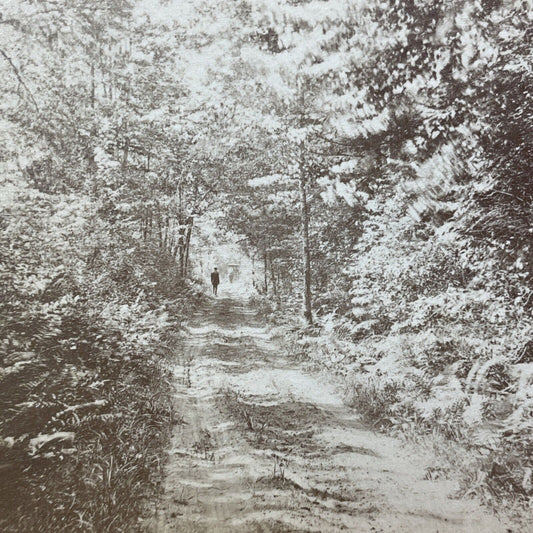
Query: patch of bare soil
267, 445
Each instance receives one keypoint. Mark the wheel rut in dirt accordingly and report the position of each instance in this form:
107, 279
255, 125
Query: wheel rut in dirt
267, 445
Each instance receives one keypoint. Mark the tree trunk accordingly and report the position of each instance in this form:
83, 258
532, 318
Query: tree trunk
125, 152
175, 247
308, 313
159, 230
93, 84
181, 262
266, 271
166, 232
272, 276
190, 221
181, 232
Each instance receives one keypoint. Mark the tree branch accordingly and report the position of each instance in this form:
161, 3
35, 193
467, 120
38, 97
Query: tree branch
19, 77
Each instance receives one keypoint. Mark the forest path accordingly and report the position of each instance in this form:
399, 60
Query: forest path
268, 446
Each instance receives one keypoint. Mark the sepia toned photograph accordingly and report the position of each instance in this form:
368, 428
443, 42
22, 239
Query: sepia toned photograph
266, 266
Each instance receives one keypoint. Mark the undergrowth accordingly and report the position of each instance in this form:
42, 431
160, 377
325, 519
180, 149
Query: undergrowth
86, 405
471, 407
112, 461
85, 433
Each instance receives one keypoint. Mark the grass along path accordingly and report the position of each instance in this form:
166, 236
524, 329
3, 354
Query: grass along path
267, 445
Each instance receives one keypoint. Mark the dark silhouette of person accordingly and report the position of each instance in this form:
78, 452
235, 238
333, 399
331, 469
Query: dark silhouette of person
215, 280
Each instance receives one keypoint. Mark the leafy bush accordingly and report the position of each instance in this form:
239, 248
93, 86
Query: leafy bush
376, 400
85, 393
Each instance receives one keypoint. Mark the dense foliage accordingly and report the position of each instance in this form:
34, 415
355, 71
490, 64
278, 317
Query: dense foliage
411, 123
97, 212
374, 156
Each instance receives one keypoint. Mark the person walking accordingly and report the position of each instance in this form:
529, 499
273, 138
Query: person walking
215, 280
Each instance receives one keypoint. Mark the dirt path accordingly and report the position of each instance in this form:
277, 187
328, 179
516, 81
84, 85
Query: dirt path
268, 446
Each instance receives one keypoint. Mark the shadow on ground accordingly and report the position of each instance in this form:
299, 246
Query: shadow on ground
268, 446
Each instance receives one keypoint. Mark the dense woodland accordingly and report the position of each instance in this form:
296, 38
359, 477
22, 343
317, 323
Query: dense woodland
375, 156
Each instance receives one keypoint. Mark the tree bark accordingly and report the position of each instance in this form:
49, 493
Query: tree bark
125, 152
181, 232
273, 276
302, 179
93, 85
166, 232
266, 271
308, 312
159, 229
190, 221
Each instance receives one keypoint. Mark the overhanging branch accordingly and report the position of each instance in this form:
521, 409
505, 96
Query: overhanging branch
19, 77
